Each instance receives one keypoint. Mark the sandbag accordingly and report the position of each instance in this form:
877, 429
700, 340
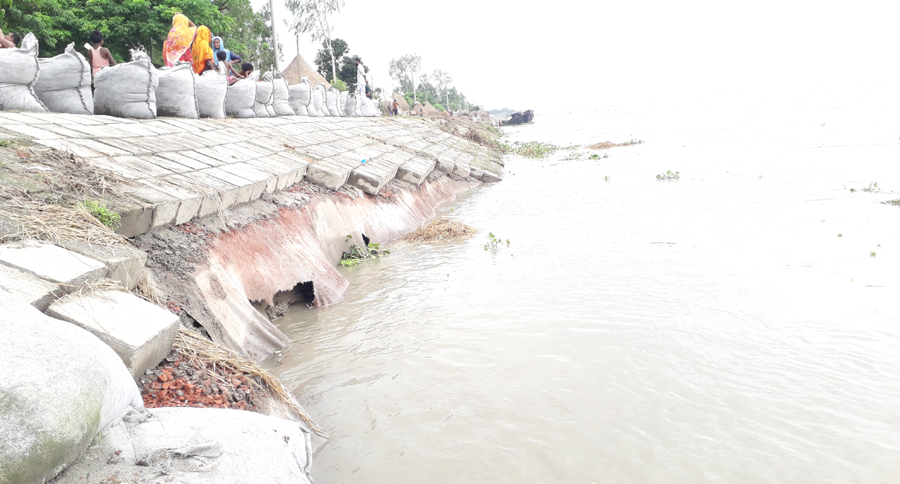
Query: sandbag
61, 385
19, 70
127, 90
342, 104
64, 85
332, 97
300, 97
367, 107
199, 446
241, 97
318, 96
176, 95
281, 97
263, 96
350, 105
211, 90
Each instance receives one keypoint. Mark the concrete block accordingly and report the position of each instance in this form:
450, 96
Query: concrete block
140, 332
125, 264
327, 175
489, 177
52, 263
26, 287
136, 219
476, 173
415, 170
165, 206
462, 170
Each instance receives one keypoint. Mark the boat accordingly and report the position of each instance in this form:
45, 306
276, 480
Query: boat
518, 117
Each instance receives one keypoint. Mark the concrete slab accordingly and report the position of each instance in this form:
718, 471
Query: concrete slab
476, 173
27, 287
461, 169
141, 333
125, 264
51, 262
416, 170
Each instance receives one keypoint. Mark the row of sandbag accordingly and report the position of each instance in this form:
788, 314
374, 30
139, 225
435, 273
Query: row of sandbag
60, 84
138, 90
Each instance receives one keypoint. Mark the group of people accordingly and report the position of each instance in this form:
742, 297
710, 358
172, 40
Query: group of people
188, 43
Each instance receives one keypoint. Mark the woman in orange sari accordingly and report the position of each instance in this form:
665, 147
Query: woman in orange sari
178, 44
202, 53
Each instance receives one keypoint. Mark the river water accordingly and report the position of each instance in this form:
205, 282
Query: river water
732, 326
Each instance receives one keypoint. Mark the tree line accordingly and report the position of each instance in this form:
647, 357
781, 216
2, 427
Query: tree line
139, 24
418, 86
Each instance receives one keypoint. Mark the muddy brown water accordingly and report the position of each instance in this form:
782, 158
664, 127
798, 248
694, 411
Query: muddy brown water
711, 329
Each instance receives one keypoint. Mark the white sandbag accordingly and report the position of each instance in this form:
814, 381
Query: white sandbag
241, 97
64, 85
61, 385
19, 70
342, 104
318, 96
281, 96
332, 96
367, 107
211, 90
263, 96
350, 105
127, 90
300, 97
176, 95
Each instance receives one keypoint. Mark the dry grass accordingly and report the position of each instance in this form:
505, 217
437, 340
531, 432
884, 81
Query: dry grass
199, 350
58, 224
609, 144
474, 131
71, 176
441, 229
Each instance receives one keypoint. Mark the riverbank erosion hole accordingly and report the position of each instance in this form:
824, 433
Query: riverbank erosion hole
302, 293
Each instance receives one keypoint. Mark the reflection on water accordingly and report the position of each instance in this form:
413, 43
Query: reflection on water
713, 329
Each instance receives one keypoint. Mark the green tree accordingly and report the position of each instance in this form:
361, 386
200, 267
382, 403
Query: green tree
404, 70
346, 68
313, 17
135, 24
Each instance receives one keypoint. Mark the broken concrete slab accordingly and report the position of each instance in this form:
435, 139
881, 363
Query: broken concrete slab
125, 263
141, 333
27, 287
50, 262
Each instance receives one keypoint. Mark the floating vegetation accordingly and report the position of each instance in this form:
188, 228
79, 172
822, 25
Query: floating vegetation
872, 188
533, 149
606, 178
494, 242
668, 175
358, 254
872, 254
840, 235
441, 229
896, 202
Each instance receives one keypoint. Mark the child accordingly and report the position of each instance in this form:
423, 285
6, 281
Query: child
10, 40
246, 69
224, 68
98, 55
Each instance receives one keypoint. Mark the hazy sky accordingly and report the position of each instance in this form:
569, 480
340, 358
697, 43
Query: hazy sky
546, 54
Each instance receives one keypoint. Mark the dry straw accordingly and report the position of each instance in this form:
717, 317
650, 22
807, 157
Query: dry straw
199, 350
35, 220
441, 229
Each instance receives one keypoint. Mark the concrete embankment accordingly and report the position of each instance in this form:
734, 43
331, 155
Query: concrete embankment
227, 222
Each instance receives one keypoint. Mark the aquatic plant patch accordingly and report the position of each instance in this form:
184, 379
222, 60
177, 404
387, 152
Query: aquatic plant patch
359, 254
668, 175
533, 149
